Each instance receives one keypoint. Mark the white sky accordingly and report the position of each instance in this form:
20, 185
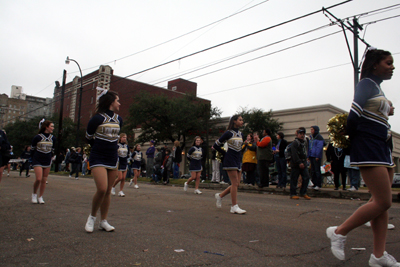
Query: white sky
37, 36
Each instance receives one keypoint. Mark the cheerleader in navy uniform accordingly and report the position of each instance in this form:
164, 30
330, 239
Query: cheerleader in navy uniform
232, 161
102, 133
123, 151
194, 155
137, 156
42, 149
369, 132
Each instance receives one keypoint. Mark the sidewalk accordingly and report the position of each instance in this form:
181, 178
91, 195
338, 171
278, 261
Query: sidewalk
325, 192
361, 194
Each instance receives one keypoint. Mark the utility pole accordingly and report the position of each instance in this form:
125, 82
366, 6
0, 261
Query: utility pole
356, 27
60, 120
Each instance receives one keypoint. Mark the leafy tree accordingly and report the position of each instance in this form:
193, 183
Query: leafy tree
256, 120
162, 118
21, 132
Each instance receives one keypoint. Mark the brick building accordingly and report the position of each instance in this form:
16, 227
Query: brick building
126, 88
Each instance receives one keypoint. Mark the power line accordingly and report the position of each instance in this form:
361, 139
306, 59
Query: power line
276, 79
275, 52
241, 54
218, 45
180, 36
235, 39
165, 42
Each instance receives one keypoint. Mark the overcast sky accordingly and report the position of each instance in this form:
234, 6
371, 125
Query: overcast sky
283, 72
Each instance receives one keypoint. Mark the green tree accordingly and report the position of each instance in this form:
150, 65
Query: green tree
256, 120
161, 118
21, 132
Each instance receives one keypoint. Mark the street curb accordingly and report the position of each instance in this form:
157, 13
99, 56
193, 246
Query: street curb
322, 193
361, 194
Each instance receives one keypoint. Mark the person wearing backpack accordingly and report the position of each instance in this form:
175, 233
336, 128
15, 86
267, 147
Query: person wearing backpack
298, 162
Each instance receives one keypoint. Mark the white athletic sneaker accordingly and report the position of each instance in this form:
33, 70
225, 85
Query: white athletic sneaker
113, 191
40, 200
219, 200
185, 186
222, 182
317, 188
389, 227
337, 242
353, 188
70, 176
386, 260
90, 224
131, 182
104, 225
197, 191
237, 210
34, 199
121, 194
136, 186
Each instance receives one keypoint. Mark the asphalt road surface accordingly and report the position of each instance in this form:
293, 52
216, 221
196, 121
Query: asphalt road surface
155, 222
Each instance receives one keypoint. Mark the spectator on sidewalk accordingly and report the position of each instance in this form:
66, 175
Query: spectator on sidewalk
264, 156
281, 160
298, 162
315, 147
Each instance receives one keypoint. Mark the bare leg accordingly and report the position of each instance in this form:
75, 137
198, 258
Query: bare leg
104, 180
197, 175
117, 180
234, 176
192, 177
38, 175
45, 173
378, 181
122, 175
1, 172
136, 174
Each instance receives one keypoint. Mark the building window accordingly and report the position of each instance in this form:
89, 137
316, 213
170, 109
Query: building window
90, 114
15, 106
67, 107
91, 102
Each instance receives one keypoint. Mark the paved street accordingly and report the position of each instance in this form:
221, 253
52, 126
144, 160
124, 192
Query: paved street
154, 221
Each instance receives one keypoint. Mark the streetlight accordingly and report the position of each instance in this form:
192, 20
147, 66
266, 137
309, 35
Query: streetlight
80, 100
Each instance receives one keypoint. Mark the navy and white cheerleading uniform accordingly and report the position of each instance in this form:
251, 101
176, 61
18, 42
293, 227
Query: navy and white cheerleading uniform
232, 157
123, 157
102, 133
43, 147
137, 160
195, 154
368, 127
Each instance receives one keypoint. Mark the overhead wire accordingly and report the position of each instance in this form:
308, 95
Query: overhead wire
168, 41
247, 35
180, 36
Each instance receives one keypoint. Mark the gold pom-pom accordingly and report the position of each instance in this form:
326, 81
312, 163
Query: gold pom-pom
86, 150
336, 128
219, 155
